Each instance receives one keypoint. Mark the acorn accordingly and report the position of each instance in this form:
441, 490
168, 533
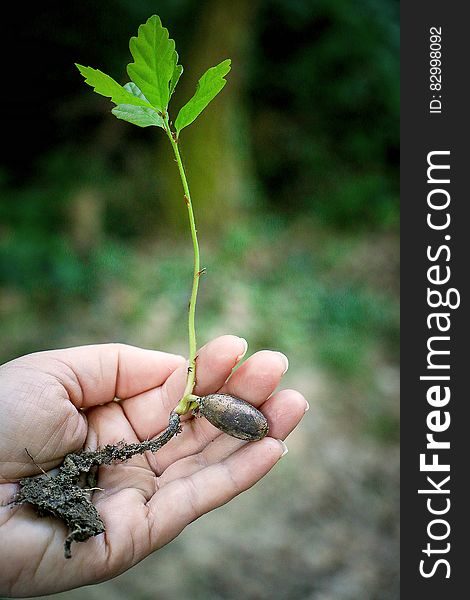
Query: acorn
234, 416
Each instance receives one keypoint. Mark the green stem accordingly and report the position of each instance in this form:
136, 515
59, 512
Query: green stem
187, 401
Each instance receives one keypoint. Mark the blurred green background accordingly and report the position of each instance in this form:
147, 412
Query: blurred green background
294, 175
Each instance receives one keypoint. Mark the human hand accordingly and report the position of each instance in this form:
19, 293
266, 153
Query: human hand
56, 402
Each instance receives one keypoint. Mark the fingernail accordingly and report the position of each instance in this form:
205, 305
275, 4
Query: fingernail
285, 449
286, 362
307, 406
245, 348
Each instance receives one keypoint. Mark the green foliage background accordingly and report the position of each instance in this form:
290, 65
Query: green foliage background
293, 172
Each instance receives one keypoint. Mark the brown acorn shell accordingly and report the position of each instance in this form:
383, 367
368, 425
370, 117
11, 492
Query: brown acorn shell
234, 416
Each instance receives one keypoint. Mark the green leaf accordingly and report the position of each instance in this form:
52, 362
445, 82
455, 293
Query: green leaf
106, 86
154, 62
207, 89
135, 91
175, 78
138, 115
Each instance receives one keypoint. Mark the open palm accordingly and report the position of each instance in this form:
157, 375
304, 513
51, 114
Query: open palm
56, 402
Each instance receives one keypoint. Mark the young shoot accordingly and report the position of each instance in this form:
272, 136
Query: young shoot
143, 101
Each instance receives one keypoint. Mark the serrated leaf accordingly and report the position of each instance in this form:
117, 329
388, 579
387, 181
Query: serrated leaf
207, 89
177, 71
154, 62
138, 115
135, 90
106, 86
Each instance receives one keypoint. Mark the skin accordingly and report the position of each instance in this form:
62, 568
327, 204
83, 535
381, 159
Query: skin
59, 401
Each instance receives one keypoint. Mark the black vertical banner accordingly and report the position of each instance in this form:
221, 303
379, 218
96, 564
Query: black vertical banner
435, 171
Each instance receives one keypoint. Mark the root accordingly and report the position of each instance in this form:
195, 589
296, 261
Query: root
62, 496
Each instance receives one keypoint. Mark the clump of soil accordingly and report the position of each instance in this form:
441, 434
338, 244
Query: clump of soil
64, 496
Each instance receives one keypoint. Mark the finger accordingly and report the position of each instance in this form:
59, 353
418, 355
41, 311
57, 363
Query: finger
184, 500
97, 374
254, 381
148, 413
258, 377
215, 361
283, 411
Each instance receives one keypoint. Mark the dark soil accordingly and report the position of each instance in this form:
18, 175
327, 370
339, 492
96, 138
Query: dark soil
66, 495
